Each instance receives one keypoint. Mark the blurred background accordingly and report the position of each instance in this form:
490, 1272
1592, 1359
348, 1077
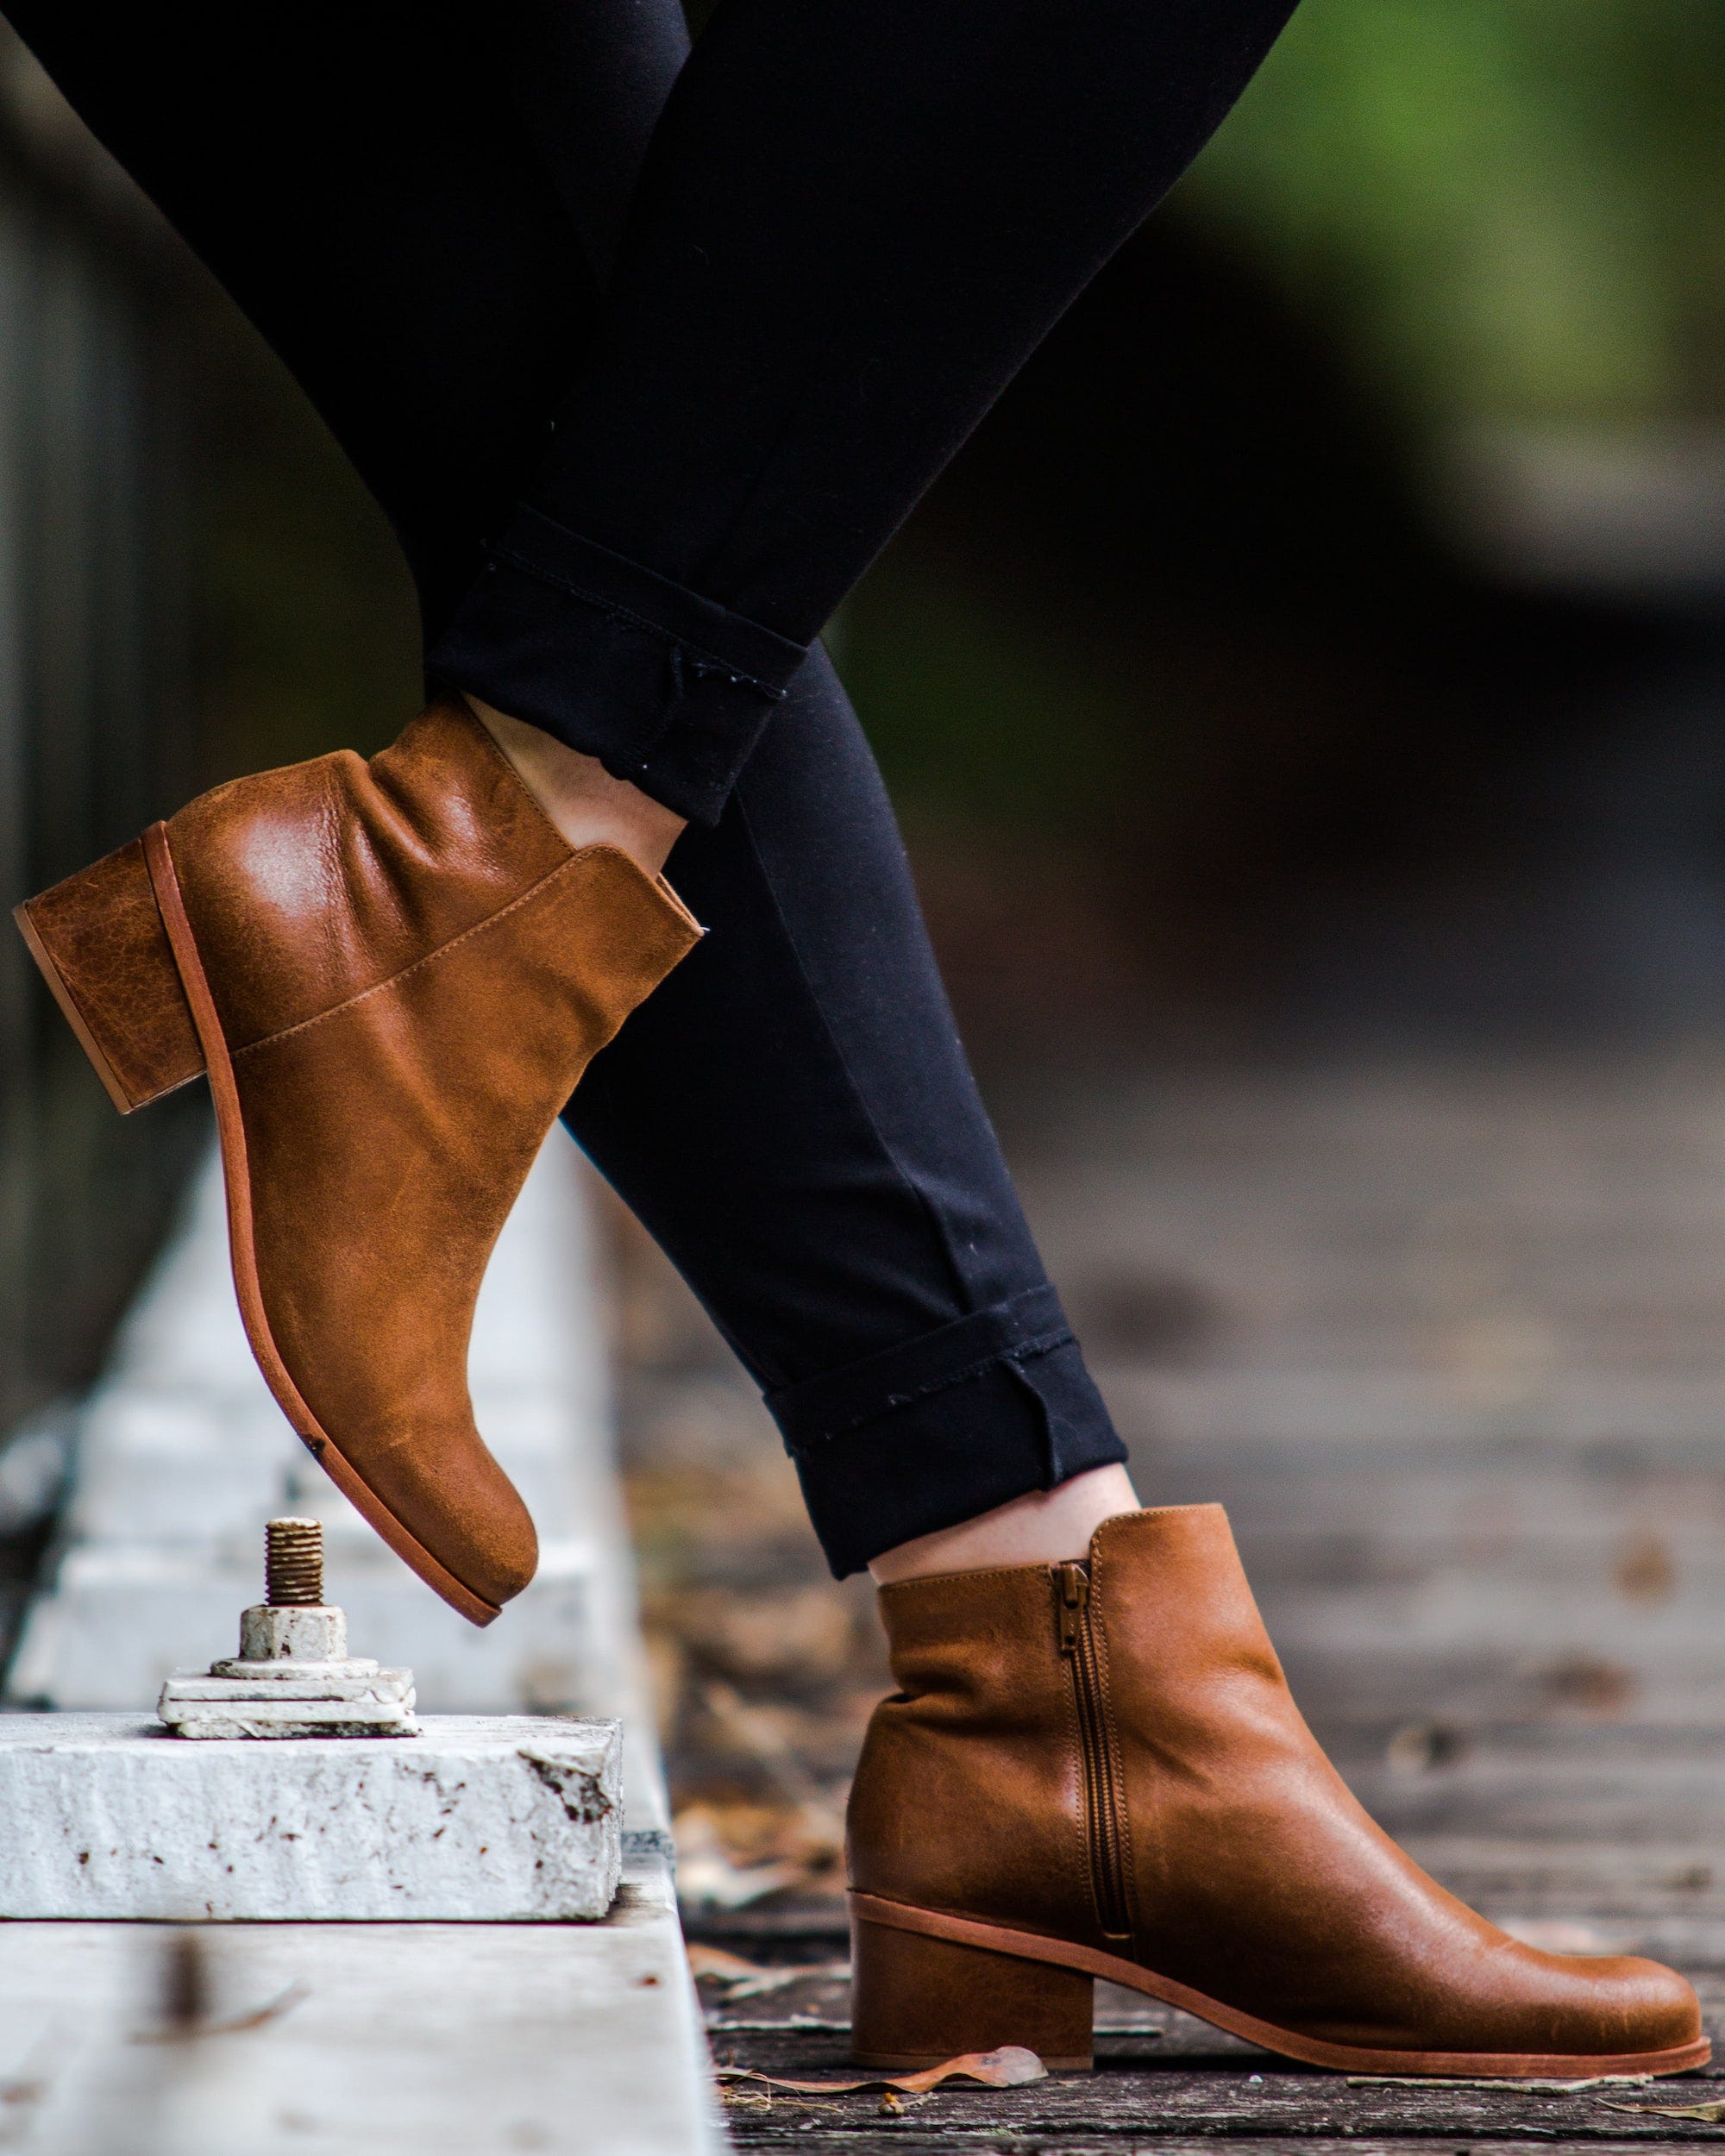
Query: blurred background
1306, 700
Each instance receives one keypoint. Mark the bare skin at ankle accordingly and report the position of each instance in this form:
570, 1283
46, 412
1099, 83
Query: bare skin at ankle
1049, 1527
586, 804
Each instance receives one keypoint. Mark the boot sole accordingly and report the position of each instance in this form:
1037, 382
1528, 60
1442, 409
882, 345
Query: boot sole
230, 1131
995, 1939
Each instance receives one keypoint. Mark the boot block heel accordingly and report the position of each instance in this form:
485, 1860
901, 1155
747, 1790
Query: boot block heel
916, 2001
99, 940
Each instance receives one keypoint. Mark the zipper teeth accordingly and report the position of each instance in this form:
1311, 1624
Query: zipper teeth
1105, 1828
1078, 1639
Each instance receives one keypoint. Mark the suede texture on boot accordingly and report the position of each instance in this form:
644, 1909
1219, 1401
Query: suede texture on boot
395, 973
1101, 1766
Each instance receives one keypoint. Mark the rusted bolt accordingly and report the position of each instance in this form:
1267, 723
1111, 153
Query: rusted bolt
294, 1563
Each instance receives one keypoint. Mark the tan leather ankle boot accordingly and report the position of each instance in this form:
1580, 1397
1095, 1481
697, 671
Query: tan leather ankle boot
394, 973
1097, 1770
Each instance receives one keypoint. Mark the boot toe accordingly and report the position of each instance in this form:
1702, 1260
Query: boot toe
1593, 2007
1639, 2007
504, 1559
438, 1482
477, 1527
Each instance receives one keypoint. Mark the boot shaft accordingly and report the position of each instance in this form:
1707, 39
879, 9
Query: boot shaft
1004, 1776
310, 884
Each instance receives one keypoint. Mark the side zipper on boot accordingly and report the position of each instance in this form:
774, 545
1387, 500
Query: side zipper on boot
1102, 1797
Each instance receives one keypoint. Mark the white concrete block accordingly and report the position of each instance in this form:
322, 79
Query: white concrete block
506, 1820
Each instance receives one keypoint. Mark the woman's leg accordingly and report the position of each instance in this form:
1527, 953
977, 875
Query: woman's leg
791, 1114
855, 223
793, 1117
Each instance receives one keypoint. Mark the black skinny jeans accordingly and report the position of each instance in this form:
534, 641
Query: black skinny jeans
645, 361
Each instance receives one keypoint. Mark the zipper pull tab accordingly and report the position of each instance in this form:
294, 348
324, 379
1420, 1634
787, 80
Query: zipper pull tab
1072, 1585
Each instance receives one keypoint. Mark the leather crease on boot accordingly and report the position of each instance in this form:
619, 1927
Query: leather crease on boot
395, 973
1158, 1813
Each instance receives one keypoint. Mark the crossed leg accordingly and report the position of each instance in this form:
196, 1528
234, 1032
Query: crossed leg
791, 1115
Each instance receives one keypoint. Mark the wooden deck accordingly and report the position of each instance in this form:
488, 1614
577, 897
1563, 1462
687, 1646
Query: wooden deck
1450, 1345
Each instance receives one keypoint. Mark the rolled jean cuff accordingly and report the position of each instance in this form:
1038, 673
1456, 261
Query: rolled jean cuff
667, 689
944, 1426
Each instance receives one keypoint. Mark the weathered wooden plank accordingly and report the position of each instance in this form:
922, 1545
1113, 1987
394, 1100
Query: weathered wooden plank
436, 2039
915, 2130
1132, 2093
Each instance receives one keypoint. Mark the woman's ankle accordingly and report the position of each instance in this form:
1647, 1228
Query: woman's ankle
586, 804
1048, 1527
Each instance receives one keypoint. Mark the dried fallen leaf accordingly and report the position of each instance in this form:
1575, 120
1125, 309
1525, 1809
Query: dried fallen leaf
1708, 2114
1010, 2067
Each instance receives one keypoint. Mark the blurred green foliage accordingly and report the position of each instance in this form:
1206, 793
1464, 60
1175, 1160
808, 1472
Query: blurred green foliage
1461, 214
1514, 209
